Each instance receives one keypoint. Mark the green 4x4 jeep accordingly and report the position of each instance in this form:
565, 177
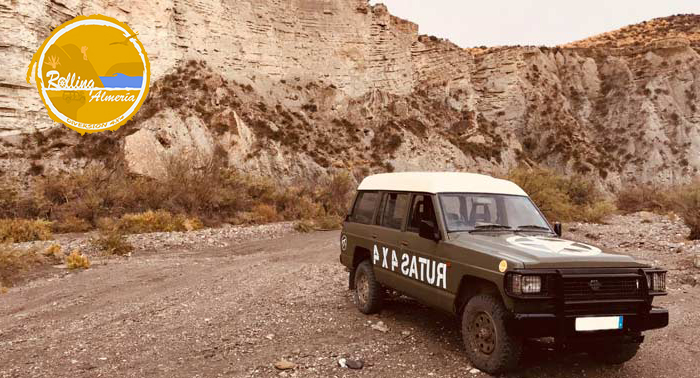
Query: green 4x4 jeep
478, 247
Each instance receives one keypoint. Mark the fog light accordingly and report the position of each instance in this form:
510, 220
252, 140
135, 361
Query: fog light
656, 281
520, 284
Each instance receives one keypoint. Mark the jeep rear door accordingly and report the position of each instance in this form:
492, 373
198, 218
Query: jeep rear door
385, 252
360, 225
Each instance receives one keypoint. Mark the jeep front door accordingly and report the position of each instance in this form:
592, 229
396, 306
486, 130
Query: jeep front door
425, 269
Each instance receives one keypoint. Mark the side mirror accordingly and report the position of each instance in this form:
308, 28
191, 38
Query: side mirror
428, 230
557, 229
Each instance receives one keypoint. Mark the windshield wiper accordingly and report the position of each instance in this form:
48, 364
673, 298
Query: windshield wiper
490, 227
533, 227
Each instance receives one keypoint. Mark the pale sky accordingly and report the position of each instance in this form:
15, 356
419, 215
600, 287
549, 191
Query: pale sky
471, 23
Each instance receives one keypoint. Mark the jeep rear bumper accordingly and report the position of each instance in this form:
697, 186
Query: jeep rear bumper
551, 325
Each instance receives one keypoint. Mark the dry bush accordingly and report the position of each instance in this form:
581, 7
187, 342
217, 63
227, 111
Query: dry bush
70, 224
77, 260
687, 205
562, 198
337, 193
15, 261
264, 213
54, 253
305, 225
644, 197
112, 242
329, 222
24, 230
154, 221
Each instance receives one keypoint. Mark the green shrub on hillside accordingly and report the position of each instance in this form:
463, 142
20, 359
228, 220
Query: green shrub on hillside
562, 198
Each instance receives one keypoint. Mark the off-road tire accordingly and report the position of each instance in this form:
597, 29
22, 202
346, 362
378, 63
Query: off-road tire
368, 294
505, 349
615, 354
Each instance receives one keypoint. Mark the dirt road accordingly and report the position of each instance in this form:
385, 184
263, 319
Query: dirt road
234, 311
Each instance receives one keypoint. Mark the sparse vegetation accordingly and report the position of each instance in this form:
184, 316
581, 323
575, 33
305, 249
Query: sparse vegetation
14, 261
77, 260
112, 242
688, 208
684, 200
23, 230
153, 221
562, 198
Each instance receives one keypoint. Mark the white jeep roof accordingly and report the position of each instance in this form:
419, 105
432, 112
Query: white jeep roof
440, 182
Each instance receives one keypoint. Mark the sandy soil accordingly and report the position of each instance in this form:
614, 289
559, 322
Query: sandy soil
233, 311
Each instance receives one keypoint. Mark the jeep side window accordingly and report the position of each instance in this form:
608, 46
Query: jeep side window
395, 209
364, 208
421, 209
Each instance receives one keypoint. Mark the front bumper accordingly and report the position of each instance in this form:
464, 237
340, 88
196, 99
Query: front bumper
551, 325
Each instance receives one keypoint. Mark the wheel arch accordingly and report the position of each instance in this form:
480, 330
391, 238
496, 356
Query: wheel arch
470, 286
359, 255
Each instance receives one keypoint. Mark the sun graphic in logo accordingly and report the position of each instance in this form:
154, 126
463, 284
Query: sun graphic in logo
92, 74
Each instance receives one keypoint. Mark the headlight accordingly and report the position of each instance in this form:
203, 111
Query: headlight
656, 281
520, 284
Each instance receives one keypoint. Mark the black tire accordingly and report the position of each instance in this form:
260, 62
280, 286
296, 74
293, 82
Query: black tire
368, 292
489, 346
615, 354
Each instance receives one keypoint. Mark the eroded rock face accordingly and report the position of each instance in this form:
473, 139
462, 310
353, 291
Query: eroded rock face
298, 88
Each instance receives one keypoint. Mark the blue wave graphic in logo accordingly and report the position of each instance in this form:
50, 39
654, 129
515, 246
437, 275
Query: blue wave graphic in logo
120, 80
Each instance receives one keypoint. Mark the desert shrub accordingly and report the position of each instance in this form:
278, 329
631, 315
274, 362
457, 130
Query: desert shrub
329, 222
54, 253
23, 230
323, 223
77, 260
687, 205
154, 221
305, 225
560, 198
546, 189
112, 242
264, 213
14, 261
69, 224
644, 197
337, 193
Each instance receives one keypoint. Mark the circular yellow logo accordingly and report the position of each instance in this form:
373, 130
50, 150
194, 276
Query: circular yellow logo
92, 73
503, 266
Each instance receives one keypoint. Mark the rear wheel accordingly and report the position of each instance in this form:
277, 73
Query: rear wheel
615, 354
368, 292
489, 347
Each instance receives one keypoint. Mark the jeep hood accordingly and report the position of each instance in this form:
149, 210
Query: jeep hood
540, 251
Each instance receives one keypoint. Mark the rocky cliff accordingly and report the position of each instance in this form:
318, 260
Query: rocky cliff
295, 88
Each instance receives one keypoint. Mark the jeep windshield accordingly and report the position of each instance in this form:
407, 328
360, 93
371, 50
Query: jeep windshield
491, 212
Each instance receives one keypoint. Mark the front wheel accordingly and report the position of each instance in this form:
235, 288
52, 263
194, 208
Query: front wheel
489, 347
615, 354
368, 292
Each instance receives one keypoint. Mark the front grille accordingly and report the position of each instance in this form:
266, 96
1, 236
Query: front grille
601, 288
616, 308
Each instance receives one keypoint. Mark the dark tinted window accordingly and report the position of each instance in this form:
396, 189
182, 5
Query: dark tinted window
364, 207
395, 209
421, 209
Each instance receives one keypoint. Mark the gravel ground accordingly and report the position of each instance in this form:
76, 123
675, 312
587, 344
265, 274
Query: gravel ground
234, 302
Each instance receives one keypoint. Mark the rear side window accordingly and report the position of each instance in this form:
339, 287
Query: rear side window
395, 210
364, 208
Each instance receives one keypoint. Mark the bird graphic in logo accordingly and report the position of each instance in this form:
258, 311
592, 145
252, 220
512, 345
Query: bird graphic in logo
124, 42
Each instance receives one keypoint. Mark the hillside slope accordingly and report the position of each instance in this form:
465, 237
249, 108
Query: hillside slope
294, 89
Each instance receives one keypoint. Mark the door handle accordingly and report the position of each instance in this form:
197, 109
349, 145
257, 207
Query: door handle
374, 236
404, 243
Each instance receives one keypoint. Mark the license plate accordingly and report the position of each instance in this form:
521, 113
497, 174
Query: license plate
599, 323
